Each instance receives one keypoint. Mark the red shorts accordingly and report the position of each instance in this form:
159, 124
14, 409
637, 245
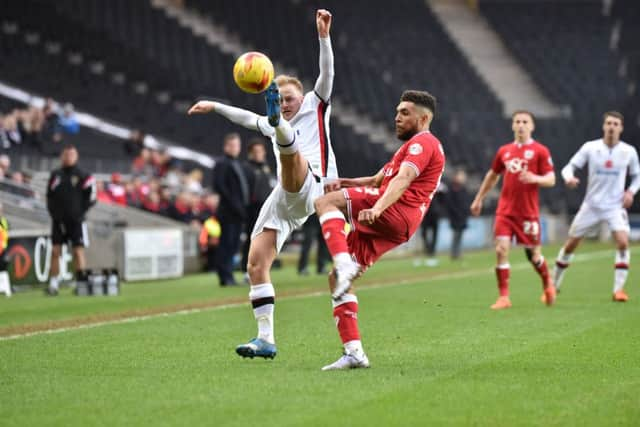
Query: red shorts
526, 230
367, 243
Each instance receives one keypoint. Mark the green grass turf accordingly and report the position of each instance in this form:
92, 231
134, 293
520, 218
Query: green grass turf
439, 355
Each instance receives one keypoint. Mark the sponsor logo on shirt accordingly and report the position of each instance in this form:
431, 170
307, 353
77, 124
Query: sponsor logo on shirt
516, 165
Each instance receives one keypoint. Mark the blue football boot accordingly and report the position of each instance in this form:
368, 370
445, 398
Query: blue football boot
257, 348
272, 98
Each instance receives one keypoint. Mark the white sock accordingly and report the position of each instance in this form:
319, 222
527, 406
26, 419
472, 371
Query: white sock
342, 258
54, 283
354, 346
285, 138
262, 298
562, 263
622, 269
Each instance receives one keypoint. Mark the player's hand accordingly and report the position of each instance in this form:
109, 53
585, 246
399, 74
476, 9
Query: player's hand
202, 107
572, 182
368, 216
476, 207
323, 22
527, 177
627, 199
330, 186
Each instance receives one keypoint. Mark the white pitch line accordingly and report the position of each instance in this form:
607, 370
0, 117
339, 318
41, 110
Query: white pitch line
373, 286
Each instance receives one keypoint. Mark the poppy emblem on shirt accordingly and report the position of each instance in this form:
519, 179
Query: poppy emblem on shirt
528, 154
608, 164
415, 149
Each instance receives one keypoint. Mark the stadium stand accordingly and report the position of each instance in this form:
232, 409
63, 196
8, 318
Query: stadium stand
373, 67
107, 63
134, 64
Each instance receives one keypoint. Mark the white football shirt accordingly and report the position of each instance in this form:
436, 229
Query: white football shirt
608, 167
311, 130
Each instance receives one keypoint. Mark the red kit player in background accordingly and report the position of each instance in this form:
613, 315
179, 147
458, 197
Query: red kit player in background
526, 165
383, 211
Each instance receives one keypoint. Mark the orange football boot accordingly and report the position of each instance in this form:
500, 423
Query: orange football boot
501, 303
549, 295
620, 296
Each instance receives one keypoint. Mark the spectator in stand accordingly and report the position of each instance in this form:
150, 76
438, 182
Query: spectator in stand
193, 182
17, 177
132, 194
9, 132
261, 181
165, 199
180, 210
210, 231
135, 144
141, 165
67, 121
231, 183
5, 166
70, 194
160, 162
153, 204
102, 195
117, 190
457, 200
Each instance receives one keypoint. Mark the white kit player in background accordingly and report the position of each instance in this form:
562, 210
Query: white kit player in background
298, 125
606, 200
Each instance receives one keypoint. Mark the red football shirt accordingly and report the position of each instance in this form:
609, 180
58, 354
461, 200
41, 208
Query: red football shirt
517, 198
424, 153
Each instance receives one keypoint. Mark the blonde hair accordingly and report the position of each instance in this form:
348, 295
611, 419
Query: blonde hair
283, 79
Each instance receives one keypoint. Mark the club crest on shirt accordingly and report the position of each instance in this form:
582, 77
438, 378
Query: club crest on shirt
528, 154
415, 149
608, 164
74, 180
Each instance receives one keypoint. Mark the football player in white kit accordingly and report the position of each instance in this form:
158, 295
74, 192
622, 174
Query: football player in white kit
606, 199
298, 125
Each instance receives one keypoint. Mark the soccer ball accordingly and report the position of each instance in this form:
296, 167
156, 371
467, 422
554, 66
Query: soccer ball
253, 72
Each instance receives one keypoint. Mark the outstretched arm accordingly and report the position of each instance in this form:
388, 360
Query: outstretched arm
236, 115
324, 84
489, 181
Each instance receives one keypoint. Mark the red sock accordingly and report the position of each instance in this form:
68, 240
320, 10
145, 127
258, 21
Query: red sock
543, 271
346, 316
334, 234
502, 273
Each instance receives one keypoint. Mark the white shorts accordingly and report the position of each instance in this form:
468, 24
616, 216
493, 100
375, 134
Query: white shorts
588, 219
284, 211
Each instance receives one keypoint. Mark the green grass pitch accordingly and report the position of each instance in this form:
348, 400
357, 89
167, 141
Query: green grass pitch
439, 356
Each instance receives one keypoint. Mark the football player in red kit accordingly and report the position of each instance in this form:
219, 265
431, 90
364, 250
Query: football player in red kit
526, 165
383, 211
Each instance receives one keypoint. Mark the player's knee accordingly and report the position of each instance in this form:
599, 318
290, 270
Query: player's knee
257, 272
320, 204
622, 245
501, 250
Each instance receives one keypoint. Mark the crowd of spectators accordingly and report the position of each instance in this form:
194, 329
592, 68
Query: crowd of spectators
41, 128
